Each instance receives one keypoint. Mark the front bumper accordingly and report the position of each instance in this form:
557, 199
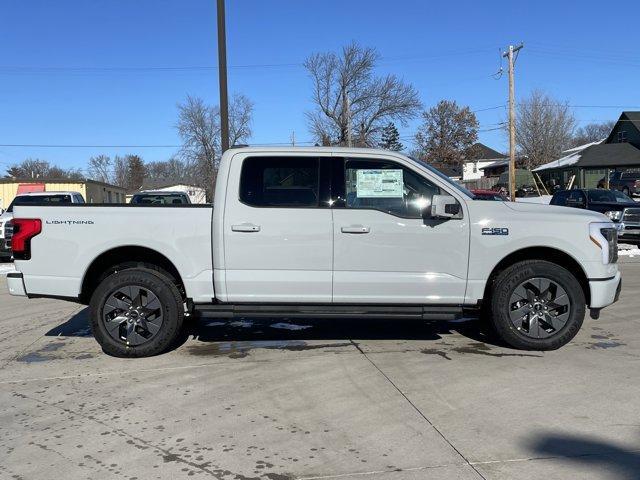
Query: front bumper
16, 284
628, 230
605, 292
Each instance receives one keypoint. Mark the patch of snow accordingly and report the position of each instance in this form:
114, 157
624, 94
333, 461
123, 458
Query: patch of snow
214, 324
289, 326
242, 324
6, 268
579, 148
627, 250
542, 199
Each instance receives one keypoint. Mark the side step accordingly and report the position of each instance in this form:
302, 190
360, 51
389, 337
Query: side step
415, 312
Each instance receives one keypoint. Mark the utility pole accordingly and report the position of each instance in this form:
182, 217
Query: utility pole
512, 120
222, 74
346, 108
293, 138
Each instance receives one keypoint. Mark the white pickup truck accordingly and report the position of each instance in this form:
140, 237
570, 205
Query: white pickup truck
320, 232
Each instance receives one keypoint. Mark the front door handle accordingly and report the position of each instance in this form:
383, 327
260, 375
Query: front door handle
355, 229
245, 227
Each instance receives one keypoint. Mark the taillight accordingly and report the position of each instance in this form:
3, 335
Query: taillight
24, 229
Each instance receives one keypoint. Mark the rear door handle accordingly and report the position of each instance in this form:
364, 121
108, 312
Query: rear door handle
245, 227
355, 229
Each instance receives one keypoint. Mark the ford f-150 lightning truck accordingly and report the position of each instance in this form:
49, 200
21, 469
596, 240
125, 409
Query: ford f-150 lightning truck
320, 232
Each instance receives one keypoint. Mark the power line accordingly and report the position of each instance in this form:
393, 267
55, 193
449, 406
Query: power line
26, 69
51, 145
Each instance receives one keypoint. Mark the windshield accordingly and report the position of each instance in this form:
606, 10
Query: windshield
442, 176
611, 196
159, 199
31, 199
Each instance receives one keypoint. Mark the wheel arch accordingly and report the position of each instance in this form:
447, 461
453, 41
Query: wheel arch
129, 256
548, 254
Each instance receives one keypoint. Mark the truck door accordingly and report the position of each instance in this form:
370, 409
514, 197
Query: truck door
384, 251
278, 240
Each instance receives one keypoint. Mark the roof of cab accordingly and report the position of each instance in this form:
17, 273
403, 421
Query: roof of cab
307, 149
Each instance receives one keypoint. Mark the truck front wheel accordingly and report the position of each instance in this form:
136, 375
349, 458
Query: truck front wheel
136, 312
537, 305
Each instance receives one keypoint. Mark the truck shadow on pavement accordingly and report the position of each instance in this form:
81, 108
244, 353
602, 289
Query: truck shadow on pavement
293, 334
618, 462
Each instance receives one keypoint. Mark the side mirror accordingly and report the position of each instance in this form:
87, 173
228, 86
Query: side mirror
444, 206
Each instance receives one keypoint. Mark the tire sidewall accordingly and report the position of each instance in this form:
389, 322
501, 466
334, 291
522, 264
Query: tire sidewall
507, 282
168, 296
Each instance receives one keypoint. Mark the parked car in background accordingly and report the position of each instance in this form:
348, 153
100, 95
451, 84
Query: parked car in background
627, 182
480, 194
321, 232
160, 198
6, 224
620, 208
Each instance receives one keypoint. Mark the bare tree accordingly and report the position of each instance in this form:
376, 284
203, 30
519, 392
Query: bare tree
173, 171
199, 128
349, 98
544, 128
35, 168
593, 132
240, 118
100, 168
447, 133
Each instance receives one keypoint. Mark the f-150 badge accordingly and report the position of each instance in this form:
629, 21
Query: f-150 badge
495, 231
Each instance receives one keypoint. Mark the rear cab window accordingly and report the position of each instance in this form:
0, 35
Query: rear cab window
58, 199
159, 199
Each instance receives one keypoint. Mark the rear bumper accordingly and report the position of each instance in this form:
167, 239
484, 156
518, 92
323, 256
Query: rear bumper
605, 292
5, 248
16, 284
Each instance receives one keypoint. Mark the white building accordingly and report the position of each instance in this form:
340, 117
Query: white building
481, 156
195, 194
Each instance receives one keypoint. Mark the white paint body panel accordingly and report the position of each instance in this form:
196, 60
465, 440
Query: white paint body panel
301, 255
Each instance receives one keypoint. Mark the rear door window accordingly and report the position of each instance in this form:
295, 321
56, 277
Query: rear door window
280, 182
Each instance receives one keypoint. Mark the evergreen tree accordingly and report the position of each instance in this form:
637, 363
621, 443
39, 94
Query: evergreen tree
390, 139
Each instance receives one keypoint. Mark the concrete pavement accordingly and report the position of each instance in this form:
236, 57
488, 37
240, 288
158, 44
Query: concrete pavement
277, 400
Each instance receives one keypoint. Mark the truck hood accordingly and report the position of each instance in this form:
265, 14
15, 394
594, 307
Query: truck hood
555, 211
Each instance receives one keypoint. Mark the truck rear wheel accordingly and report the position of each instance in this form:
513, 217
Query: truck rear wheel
136, 313
537, 305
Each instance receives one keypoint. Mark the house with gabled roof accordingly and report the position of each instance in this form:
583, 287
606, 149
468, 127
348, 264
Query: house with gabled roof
480, 157
588, 164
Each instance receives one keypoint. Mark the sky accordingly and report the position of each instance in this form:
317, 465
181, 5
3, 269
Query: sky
109, 73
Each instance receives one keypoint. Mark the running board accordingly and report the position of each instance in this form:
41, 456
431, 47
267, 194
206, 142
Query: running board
419, 312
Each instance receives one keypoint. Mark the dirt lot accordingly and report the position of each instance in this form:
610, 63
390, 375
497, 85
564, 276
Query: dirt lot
318, 400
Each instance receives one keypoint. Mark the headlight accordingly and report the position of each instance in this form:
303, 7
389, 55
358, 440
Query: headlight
614, 215
605, 236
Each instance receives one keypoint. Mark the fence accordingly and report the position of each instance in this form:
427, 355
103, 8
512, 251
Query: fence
484, 183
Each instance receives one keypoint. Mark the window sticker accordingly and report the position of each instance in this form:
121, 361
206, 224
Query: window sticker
379, 184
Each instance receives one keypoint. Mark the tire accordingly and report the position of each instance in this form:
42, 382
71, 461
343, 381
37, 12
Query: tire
550, 319
136, 312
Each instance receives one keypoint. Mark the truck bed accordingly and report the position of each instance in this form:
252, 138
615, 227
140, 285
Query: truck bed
73, 237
